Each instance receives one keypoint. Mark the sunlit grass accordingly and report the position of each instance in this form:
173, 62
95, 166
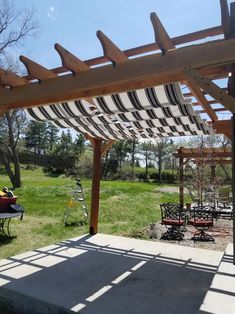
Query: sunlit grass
125, 209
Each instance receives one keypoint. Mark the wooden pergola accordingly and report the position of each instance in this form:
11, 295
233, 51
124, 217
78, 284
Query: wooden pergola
219, 155
197, 66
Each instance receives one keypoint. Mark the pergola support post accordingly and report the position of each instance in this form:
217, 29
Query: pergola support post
231, 91
95, 193
233, 181
181, 179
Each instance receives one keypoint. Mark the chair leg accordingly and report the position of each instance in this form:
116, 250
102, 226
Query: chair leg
202, 236
173, 233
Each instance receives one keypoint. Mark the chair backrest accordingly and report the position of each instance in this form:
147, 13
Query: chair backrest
200, 212
224, 198
171, 211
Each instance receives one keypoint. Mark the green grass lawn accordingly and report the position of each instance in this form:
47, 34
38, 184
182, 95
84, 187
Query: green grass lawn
125, 208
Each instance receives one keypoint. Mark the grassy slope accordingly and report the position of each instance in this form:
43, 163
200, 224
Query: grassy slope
125, 208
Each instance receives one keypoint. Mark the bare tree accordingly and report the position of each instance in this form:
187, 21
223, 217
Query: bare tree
10, 130
15, 26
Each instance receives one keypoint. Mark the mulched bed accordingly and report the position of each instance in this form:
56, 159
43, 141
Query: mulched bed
221, 231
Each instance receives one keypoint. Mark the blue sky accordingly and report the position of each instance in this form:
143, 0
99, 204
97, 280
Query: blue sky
73, 24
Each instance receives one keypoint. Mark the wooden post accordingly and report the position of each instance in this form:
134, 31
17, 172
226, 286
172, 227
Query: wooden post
181, 178
233, 181
95, 193
231, 91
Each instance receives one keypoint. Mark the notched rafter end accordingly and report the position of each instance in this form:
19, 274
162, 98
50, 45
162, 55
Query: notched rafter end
69, 61
36, 70
111, 51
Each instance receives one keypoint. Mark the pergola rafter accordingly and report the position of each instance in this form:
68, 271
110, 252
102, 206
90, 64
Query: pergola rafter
36, 70
137, 73
69, 61
225, 18
197, 93
212, 89
162, 38
111, 51
11, 79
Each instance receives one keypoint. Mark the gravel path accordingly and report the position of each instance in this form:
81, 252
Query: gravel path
167, 189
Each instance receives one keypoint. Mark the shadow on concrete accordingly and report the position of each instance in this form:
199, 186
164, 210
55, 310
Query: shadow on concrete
82, 276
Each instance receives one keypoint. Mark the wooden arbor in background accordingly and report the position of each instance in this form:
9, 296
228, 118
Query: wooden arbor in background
220, 155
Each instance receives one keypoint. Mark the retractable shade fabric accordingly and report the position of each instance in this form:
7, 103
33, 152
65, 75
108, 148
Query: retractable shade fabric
159, 111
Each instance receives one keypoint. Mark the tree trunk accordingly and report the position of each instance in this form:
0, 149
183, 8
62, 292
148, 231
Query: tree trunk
146, 167
160, 169
16, 162
105, 171
132, 161
13, 155
6, 164
133, 157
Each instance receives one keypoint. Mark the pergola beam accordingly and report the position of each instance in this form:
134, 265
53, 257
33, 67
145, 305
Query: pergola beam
136, 73
222, 124
216, 161
212, 89
223, 127
202, 154
2, 111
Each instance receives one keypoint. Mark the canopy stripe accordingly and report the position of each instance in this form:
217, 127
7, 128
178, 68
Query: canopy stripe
159, 111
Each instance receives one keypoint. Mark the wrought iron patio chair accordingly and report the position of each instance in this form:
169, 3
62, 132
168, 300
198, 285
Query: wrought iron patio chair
224, 200
173, 218
201, 217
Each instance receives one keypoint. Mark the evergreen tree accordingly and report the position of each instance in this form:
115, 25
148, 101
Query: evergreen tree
36, 138
79, 144
65, 147
52, 136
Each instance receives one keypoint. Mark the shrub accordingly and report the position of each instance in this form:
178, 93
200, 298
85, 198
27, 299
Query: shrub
167, 177
125, 173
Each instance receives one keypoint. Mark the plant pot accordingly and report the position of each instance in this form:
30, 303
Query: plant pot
5, 202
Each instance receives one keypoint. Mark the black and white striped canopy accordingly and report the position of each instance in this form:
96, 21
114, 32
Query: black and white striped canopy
153, 112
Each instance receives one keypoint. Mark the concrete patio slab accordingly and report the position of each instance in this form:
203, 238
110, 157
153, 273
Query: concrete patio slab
220, 298
112, 274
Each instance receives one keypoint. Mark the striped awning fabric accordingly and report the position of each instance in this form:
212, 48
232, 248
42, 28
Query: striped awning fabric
152, 112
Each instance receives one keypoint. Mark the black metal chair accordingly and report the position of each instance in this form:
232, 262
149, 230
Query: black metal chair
173, 219
224, 200
201, 217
